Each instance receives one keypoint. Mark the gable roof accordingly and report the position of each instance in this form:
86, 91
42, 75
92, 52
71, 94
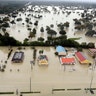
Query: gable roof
82, 59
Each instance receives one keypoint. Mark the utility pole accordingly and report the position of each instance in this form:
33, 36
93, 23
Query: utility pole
92, 75
30, 84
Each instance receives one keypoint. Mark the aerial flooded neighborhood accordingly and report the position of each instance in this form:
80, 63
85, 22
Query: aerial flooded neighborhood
47, 48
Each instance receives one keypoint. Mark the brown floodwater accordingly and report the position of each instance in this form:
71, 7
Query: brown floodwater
43, 78
20, 32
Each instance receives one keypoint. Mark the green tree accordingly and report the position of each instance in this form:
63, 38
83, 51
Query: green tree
3, 29
41, 39
62, 32
34, 31
31, 35
66, 24
51, 32
42, 29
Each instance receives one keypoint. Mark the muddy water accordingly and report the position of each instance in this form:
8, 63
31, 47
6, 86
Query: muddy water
43, 78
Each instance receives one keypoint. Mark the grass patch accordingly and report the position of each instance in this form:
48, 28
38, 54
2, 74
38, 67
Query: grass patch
6, 92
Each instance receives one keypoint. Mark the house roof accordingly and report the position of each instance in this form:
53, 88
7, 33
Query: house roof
93, 50
67, 60
60, 49
18, 56
81, 57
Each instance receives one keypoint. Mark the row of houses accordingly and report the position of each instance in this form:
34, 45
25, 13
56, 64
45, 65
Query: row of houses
18, 57
71, 60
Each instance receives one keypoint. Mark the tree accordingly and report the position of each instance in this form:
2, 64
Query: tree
41, 39
80, 27
19, 19
66, 24
77, 22
14, 15
51, 32
51, 25
25, 42
62, 32
61, 26
90, 33
34, 31
29, 29
5, 25
27, 20
12, 22
83, 45
89, 25
31, 35
4, 29
42, 29
36, 23
6, 34
47, 28
5, 19
91, 45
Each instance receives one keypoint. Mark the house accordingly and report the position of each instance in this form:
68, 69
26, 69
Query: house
67, 61
61, 51
42, 60
92, 52
18, 57
81, 58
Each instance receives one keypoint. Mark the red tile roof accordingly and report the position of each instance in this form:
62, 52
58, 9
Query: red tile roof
80, 56
67, 60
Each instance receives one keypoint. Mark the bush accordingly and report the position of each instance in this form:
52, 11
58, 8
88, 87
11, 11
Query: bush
56, 53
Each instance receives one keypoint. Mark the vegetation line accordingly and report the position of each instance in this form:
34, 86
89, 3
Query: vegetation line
6, 92
75, 89
30, 92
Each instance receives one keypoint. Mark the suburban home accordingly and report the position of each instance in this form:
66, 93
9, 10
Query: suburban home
81, 58
61, 51
67, 61
43, 60
18, 57
92, 52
